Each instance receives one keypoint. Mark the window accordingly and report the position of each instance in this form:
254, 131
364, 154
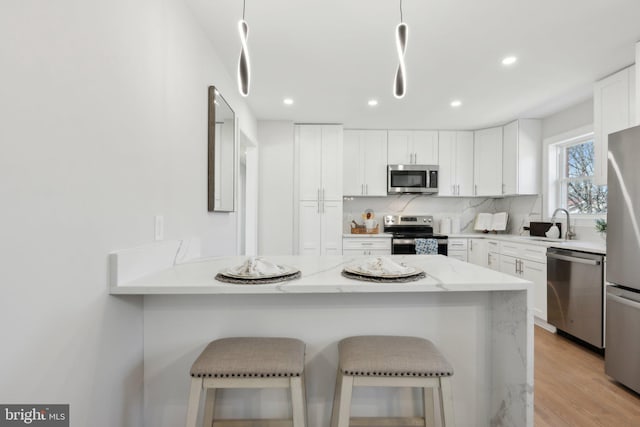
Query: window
575, 189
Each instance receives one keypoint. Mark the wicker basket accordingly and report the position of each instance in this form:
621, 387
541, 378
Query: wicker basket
361, 229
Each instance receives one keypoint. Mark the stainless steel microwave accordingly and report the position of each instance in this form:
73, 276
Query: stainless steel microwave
418, 179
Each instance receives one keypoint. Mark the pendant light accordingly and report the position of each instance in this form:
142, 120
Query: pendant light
402, 34
244, 65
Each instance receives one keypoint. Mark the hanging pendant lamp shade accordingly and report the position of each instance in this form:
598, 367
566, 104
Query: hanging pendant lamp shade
400, 82
244, 65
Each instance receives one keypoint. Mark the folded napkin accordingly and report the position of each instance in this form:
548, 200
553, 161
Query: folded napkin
382, 266
257, 267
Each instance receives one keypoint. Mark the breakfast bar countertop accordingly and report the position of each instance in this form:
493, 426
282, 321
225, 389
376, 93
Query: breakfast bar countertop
481, 319
320, 275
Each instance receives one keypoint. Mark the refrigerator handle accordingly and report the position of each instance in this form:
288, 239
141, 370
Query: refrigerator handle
625, 301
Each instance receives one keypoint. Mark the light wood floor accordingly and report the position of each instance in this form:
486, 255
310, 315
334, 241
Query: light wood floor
571, 388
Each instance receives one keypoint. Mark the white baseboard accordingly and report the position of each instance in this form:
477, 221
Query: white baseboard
539, 322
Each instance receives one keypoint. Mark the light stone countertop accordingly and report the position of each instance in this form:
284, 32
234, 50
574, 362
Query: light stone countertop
321, 275
577, 245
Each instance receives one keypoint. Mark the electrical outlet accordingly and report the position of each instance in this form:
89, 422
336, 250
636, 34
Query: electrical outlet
159, 227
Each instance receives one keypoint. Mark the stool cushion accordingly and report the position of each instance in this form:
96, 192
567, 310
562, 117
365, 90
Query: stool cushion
250, 357
377, 355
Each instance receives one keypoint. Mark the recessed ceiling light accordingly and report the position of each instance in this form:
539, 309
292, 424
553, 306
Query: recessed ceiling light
372, 102
456, 103
288, 101
509, 60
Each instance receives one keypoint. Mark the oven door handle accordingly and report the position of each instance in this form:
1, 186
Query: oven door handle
404, 241
573, 259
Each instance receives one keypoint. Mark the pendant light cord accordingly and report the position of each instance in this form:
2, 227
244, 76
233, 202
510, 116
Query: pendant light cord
401, 19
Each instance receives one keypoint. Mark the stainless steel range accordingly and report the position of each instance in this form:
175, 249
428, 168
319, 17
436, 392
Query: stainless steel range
407, 228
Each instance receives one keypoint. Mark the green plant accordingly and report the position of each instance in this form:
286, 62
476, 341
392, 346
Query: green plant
601, 225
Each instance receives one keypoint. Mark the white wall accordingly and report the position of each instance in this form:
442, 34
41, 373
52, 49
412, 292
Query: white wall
574, 117
275, 206
103, 108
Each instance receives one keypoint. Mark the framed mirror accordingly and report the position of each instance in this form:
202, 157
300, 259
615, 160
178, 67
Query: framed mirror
221, 154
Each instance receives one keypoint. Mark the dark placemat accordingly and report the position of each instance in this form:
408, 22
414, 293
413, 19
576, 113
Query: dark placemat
404, 279
237, 281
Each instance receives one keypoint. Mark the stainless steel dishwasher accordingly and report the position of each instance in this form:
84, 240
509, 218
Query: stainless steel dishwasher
575, 297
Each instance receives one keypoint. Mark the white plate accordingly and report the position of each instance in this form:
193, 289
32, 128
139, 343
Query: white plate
286, 271
355, 270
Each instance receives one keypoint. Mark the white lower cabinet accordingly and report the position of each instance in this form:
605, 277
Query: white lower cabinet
477, 252
457, 248
493, 255
528, 262
366, 246
537, 273
320, 228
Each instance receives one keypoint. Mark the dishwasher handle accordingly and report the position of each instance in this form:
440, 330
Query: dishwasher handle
573, 259
625, 301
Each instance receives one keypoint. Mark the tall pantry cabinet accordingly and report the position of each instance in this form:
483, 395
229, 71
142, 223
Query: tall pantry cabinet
318, 153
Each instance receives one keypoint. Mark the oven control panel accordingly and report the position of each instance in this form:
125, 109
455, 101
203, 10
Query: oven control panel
417, 220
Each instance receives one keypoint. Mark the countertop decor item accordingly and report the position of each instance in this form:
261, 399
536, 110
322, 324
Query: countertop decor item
601, 225
382, 269
257, 271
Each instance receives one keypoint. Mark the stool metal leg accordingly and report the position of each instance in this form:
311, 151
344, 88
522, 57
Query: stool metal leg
194, 402
298, 401
429, 409
446, 402
209, 406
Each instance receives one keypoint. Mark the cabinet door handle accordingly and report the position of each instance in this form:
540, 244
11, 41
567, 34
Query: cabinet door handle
415, 158
475, 190
503, 187
362, 189
366, 189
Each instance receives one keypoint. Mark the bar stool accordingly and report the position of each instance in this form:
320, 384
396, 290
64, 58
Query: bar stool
247, 362
392, 361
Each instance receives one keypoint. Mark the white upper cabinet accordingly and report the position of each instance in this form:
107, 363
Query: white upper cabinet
413, 147
521, 155
614, 110
319, 161
365, 163
487, 164
455, 152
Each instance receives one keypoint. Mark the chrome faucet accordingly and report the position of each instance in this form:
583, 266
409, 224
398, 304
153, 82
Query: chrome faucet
569, 234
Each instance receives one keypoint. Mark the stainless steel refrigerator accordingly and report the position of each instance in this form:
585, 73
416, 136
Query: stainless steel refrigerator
622, 356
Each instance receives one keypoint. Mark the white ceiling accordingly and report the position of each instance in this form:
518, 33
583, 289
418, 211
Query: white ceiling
331, 56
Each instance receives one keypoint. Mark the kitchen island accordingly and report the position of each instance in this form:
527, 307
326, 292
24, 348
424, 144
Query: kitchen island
480, 319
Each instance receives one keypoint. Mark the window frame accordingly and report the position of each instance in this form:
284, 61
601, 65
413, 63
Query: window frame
553, 173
